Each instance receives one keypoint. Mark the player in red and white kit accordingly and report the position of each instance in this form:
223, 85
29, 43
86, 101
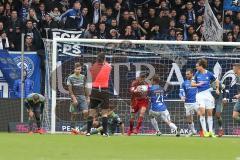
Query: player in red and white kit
139, 102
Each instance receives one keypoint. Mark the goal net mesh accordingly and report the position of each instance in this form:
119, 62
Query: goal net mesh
129, 59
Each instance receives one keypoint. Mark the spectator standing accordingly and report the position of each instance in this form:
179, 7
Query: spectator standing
4, 44
73, 17
28, 86
34, 33
24, 10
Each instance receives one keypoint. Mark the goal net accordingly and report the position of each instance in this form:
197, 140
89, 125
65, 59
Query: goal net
169, 59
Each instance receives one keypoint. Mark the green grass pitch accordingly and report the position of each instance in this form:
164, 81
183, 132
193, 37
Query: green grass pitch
69, 147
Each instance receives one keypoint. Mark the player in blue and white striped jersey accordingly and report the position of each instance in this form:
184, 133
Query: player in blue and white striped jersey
202, 80
188, 95
158, 107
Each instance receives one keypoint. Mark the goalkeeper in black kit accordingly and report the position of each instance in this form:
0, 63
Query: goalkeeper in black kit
34, 104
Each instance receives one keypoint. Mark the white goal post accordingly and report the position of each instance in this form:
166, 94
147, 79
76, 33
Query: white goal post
234, 54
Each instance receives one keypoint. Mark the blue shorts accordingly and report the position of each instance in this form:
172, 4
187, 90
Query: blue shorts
81, 106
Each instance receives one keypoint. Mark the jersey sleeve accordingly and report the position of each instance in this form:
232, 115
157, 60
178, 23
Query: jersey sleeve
30, 96
26, 101
69, 82
182, 90
211, 76
65, 14
42, 98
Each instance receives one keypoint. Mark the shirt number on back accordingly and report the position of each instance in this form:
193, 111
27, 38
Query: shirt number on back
159, 98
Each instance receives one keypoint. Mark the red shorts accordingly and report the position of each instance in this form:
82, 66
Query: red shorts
136, 105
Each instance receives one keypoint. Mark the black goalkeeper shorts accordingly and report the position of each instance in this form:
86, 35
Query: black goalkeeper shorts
99, 98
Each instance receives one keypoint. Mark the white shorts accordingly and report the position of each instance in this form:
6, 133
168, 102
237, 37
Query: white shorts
205, 99
190, 108
165, 116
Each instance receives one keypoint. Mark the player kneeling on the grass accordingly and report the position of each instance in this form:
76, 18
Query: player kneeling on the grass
188, 95
139, 102
202, 80
158, 107
79, 96
35, 105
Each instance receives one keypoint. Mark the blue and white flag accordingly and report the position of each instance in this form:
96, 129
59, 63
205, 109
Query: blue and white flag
8, 67
10, 64
232, 5
212, 29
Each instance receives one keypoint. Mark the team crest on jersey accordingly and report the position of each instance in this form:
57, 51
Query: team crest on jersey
28, 65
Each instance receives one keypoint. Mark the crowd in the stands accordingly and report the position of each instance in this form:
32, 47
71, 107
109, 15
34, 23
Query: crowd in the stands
180, 20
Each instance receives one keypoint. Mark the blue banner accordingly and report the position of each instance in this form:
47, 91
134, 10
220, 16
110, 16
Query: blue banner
233, 5
10, 64
8, 67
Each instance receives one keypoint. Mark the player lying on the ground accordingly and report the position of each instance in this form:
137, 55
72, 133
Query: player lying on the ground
220, 102
139, 102
188, 95
202, 80
79, 96
158, 107
114, 122
35, 105
236, 109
